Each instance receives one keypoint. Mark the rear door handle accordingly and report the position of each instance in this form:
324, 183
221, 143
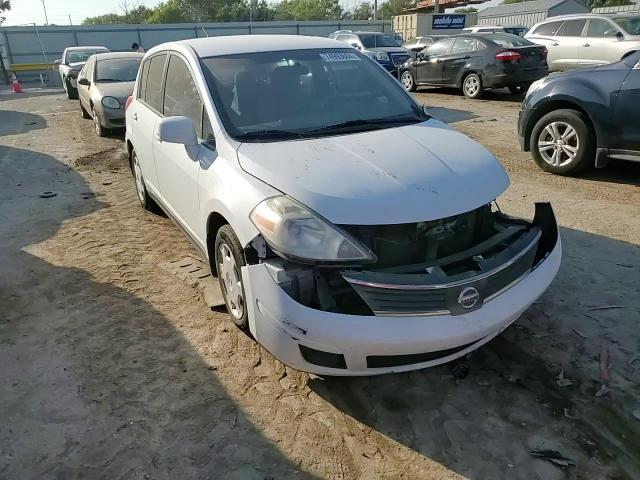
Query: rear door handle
135, 117
586, 45
555, 44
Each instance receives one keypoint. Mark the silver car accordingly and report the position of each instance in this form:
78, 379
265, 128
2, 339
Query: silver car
104, 84
587, 40
72, 61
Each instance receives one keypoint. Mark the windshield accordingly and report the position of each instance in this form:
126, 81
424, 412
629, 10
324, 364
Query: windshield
631, 25
117, 70
305, 93
76, 56
373, 41
507, 40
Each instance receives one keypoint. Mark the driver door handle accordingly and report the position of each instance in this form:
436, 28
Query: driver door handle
586, 45
135, 117
555, 44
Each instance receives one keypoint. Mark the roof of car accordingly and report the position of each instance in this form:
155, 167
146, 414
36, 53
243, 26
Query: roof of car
86, 47
112, 55
232, 44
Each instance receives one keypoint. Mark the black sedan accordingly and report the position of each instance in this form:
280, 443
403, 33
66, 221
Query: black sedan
475, 62
582, 118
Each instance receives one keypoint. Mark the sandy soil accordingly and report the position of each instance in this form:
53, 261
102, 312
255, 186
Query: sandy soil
112, 368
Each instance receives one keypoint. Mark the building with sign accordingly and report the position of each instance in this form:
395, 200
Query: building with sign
529, 13
414, 25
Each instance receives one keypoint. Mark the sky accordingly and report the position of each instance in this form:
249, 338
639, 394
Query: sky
58, 11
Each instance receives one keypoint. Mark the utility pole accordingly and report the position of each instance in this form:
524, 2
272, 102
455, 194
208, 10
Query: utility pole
70, 22
46, 18
375, 9
436, 6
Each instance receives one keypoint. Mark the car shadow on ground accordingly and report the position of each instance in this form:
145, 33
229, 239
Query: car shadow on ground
617, 171
95, 382
450, 115
6, 94
14, 123
501, 94
484, 414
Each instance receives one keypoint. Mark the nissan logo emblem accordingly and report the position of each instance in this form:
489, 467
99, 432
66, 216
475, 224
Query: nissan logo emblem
468, 297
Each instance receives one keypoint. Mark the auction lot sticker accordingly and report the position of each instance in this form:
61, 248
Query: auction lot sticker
339, 57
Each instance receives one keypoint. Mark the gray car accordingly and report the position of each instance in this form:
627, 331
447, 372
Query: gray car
587, 40
104, 84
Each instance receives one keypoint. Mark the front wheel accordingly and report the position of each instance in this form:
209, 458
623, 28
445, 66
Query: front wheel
472, 86
100, 130
561, 142
229, 260
145, 200
407, 80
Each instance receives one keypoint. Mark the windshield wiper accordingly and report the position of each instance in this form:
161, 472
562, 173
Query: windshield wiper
365, 123
269, 134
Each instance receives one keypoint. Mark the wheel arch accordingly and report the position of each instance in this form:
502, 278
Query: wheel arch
626, 54
465, 73
551, 106
215, 221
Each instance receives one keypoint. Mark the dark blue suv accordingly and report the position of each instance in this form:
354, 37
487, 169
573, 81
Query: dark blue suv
379, 46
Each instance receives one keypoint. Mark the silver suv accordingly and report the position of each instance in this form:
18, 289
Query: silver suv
587, 40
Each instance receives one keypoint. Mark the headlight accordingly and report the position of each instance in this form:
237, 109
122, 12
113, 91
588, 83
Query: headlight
295, 232
382, 56
110, 102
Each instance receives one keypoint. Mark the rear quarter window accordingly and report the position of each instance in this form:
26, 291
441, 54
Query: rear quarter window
153, 93
142, 82
547, 28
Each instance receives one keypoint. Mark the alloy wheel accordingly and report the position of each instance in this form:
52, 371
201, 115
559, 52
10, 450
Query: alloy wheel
558, 144
407, 80
137, 172
471, 85
229, 273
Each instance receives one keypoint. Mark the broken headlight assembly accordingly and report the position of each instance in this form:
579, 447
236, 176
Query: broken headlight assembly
296, 233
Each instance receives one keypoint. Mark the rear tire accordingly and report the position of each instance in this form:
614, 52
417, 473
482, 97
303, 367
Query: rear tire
472, 86
408, 81
562, 143
229, 257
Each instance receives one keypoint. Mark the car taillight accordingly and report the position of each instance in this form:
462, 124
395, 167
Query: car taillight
129, 100
508, 56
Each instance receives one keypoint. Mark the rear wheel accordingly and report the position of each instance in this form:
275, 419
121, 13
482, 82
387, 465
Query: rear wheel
472, 86
407, 80
561, 143
229, 260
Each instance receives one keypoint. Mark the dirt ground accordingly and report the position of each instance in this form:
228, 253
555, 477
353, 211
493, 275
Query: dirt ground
111, 368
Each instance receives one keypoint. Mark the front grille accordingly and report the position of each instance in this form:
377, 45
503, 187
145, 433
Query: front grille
429, 294
399, 58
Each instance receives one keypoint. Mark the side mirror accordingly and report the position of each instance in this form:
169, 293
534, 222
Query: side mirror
177, 130
58, 61
84, 81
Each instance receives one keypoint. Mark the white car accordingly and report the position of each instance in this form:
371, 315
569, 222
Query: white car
72, 61
352, 234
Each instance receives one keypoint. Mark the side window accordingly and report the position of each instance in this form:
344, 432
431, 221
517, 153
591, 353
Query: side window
547, 28
441, 47
600, 28
479, 45
90, 68
207, 129
463, 45
572, 28
181, 94
142, 83
153, 94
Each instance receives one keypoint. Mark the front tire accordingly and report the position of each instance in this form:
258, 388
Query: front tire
100, 130
472, 86
229, 257
145, 200
72, 93
408, 81
561, 142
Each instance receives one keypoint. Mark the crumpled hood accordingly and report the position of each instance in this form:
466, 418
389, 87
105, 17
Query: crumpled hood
408, 174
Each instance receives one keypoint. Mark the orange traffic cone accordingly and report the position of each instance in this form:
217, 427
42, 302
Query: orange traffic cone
17, 88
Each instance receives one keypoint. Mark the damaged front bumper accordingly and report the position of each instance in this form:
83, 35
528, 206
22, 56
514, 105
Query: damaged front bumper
417, 320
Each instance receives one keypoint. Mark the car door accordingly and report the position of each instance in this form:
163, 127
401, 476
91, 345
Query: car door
627, 113
177, 166
453, 65
84, 91
601, 44
568, 41
146, 111
429, 62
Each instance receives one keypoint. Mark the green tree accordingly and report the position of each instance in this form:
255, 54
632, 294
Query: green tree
5, 5
465, 10
363, 11
391, 8
308, 10
168, 12
106, 19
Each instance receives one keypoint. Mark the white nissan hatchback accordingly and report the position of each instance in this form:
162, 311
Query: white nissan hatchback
352, 234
